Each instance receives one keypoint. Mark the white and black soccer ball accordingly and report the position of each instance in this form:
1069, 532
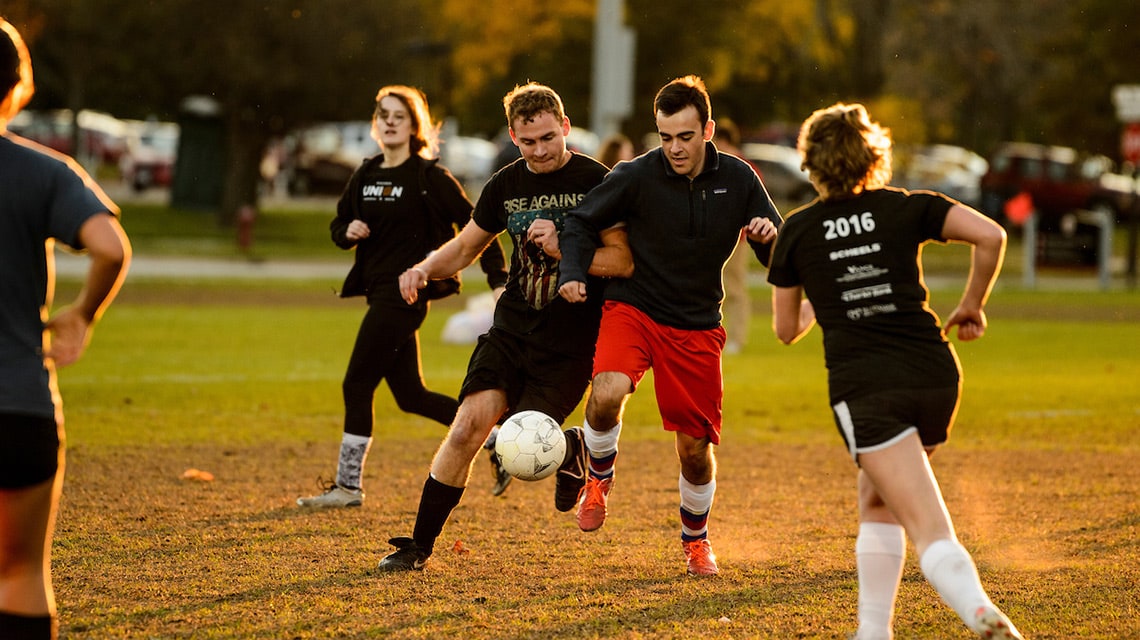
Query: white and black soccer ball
530, 445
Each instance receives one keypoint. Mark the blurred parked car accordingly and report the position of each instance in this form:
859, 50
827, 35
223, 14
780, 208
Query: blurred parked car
322, 157
151, 149
1059, 180
780, 171
954, 171
471, 160
101, 135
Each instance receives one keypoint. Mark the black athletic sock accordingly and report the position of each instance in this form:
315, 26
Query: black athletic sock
436, 503
19, 627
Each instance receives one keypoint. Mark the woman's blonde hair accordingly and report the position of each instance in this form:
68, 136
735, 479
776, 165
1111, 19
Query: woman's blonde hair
844, 151
425, 134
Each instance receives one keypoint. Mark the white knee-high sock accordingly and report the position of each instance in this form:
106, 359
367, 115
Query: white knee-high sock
696, 503
603, 448
880, 551
951, 571
350, 468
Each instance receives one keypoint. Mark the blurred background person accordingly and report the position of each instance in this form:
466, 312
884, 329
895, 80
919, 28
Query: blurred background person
737, 301
44, 197
615, 148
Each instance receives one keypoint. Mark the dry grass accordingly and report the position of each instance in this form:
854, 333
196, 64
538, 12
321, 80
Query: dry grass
243, 382
142, 553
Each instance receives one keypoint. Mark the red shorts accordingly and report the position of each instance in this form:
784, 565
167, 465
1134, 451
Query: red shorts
686, 367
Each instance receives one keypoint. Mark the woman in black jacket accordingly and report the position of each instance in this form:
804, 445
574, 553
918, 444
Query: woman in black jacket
397, 207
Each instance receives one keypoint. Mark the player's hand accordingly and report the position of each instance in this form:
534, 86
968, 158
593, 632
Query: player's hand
573, 291
971, 323
761, 229
70, 334
411, 281
544, 235
357, 231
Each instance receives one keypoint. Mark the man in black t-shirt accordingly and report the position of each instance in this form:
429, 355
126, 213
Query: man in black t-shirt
539, 351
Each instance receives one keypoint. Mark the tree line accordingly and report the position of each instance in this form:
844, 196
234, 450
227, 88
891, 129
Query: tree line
967, 72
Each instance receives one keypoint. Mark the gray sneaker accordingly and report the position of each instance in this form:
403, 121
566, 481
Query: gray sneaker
407, 557
334, 496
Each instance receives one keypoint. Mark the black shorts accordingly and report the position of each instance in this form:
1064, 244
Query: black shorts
30, 452
534, 378
878, 420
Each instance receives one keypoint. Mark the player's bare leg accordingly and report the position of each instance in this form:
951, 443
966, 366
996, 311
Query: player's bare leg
880, 553
450, 470
902, 478
477, 414
27, 519
608, 393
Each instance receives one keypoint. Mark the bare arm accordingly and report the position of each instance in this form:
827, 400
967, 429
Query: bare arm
792, 314
613, 260
451, 258
966, 225
110, 253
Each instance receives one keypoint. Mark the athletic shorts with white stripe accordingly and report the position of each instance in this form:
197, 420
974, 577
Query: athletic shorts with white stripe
877, 420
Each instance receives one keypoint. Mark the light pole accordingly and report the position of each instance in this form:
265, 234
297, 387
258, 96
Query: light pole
613, 68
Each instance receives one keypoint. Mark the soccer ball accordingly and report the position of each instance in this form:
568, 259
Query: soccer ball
530, 445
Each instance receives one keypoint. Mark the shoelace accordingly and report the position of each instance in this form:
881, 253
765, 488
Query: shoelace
595, 493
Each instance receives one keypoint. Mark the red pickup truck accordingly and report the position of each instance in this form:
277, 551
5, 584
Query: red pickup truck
1059, 180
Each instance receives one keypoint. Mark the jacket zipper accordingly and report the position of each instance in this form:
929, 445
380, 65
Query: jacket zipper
692, 213
698, 212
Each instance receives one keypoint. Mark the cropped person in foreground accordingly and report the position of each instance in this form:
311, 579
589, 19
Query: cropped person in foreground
44, 197
894, 379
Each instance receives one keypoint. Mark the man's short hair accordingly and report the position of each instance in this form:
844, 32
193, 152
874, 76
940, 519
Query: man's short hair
683, 92
528, 101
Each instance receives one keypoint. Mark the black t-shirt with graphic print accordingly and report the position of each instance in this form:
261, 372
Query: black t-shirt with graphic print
858, 262
391, 204
530, 306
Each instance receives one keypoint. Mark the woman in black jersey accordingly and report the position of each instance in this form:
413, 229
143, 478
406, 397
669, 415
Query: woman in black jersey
398, 206
893, 378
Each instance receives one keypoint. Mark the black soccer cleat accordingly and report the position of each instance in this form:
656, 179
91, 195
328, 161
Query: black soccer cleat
407, 557
571, 475
502, 478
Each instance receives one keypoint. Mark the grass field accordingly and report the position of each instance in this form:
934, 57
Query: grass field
242, 379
